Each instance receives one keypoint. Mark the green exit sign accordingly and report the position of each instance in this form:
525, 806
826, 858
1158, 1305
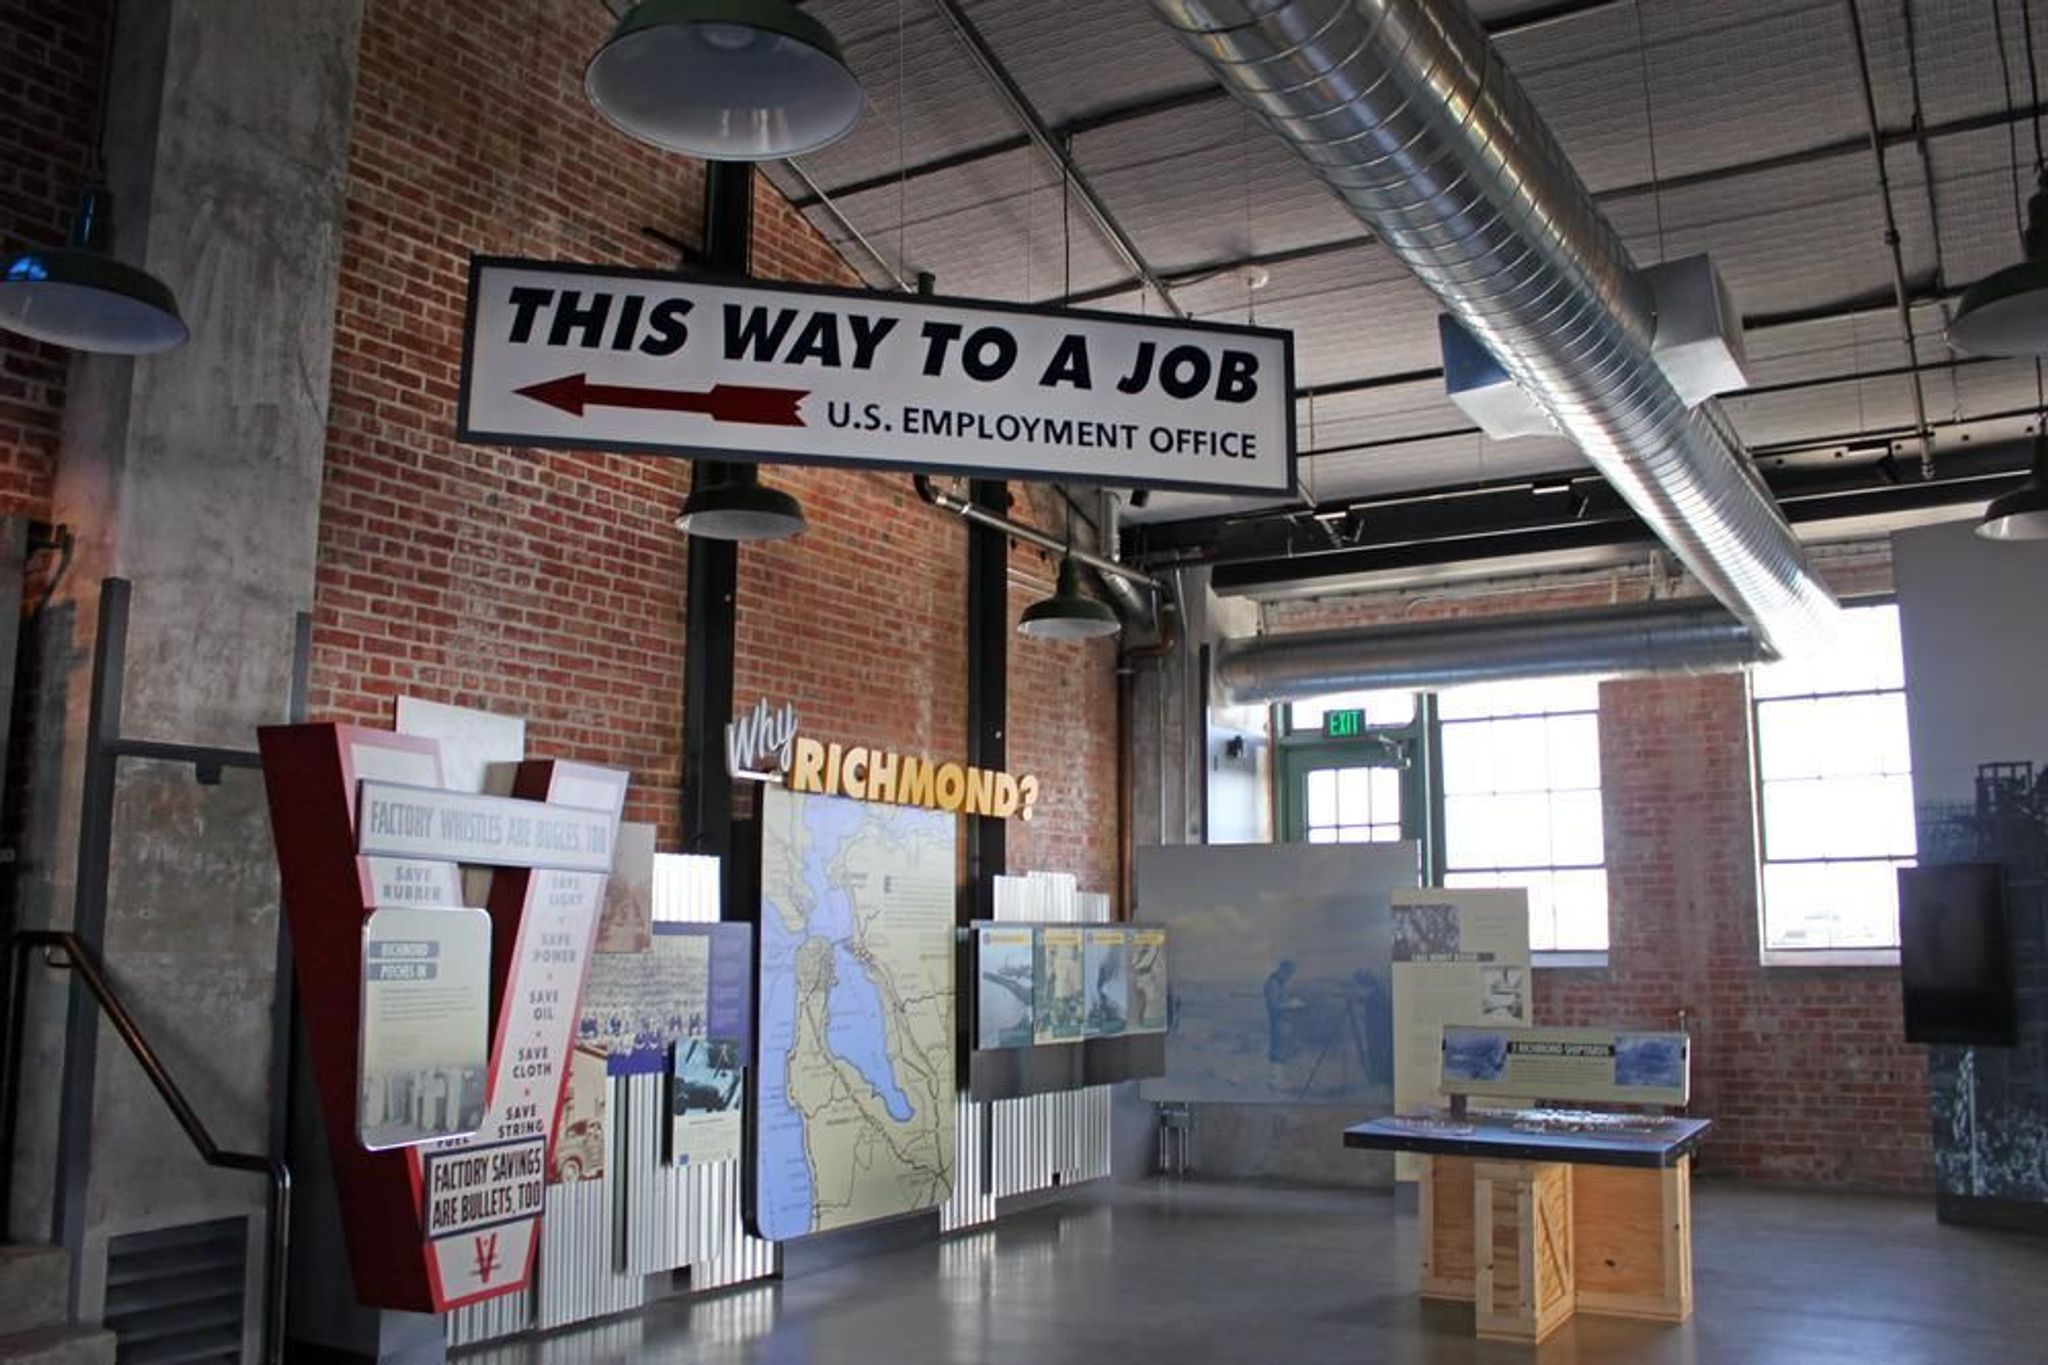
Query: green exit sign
1346, 724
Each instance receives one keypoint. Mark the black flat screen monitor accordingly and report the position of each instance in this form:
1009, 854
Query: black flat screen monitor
1955, 955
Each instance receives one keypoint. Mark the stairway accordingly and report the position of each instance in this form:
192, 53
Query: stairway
35, 1286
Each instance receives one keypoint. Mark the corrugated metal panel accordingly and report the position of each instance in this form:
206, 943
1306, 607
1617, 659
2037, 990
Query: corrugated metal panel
733, 1257
493, 1318
600, 1239
679, 1216
972, 1204
578, 1248
1023, 1145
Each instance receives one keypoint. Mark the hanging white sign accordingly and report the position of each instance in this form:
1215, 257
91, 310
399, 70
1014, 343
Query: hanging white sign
596, 358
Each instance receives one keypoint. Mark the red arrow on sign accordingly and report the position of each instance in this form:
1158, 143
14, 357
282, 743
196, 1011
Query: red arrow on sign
764, 407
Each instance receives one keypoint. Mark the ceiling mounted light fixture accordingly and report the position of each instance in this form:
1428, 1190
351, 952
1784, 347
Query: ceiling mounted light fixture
80, 296
1069, 614
2006, 313
727, 80
738, 506
2023, 513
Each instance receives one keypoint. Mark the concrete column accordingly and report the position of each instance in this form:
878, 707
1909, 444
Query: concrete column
195, 475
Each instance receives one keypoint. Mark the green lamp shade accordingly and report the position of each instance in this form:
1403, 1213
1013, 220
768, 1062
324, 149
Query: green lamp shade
728, 80
87, 300
740, 507
1069, 614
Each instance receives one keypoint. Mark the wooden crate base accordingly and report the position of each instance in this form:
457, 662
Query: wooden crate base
1634, 1241
1522, 1234
1529, 1243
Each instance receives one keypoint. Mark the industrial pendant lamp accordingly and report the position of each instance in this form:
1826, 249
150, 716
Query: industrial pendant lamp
2023, 513
1069, 614
738, 506
78, 295
2006, 313
728, 80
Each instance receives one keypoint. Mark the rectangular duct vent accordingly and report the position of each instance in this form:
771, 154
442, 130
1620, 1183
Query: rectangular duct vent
177, 1295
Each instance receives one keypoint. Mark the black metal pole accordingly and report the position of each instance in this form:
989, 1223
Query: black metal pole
988, 683
711, 604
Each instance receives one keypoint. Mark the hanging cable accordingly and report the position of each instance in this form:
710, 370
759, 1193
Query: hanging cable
1901, 296
1650, 127
1066, 227
902, 162
2012, 129
2033, 83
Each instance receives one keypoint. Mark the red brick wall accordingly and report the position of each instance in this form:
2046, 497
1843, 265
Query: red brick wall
1063, 731
550, 584
50, 53
1805, 1071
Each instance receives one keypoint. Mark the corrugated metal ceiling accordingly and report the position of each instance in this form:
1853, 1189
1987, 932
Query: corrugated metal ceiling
1733, 127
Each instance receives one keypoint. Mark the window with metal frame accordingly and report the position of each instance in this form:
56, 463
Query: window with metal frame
1522, 805
1834, 790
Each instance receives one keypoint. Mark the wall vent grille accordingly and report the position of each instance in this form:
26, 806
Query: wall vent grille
178, 1295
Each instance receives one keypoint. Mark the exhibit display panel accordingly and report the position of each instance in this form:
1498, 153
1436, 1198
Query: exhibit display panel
360, 813
855, 1119
1281, 959
1599, 1066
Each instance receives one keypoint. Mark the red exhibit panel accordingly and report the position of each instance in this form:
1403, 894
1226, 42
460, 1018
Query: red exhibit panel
453, 1221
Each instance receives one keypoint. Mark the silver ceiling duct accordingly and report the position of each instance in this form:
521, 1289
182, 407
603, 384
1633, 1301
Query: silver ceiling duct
1696, 637
1406, 110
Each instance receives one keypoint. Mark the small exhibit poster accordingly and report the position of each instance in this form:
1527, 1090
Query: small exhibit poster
424, 1056
1106, 968
1059, 990
637, 1005
1586, 1065
708, 1063
578, 1153
708, 1092
1148, 980
1005, 986
626, 924
1460, 957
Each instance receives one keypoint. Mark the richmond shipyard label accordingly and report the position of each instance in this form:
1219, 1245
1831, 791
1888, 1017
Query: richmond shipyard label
590, 358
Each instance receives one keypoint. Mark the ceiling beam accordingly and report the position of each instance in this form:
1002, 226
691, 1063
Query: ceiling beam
1058, 151
1974, 448
1583, 514
1831, 150
1186, 98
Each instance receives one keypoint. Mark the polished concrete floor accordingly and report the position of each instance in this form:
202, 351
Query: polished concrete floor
1194, 1274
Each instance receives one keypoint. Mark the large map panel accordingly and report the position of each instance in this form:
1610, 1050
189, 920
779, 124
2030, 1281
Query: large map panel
857, 1083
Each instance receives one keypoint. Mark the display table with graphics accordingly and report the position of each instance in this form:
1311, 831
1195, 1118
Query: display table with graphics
1530, 1215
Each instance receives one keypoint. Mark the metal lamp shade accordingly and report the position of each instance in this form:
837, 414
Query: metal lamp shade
1069, 614
728, 80
740, 507
2004, 314
87, 300
2023, 513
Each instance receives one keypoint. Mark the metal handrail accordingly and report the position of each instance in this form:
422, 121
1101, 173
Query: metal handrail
80, 961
